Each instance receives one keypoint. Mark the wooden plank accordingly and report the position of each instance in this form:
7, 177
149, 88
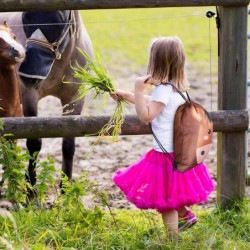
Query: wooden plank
19, 5
232, 90
76, 126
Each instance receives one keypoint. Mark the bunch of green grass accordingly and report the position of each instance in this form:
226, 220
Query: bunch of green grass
95, 78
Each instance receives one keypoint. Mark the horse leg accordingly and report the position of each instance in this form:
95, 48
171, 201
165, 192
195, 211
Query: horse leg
68, 151
68, 145
33, 146
30, 101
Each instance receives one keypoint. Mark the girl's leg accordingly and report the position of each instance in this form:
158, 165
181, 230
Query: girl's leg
170, 221
182, 211
186, 218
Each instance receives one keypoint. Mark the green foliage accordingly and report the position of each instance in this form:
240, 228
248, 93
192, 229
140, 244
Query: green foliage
45, 178
41, 228
15, 181
94, 77
72, 226
73, 221
14, 163
222, 228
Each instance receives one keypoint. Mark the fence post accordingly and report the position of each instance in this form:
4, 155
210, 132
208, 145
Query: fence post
232, 94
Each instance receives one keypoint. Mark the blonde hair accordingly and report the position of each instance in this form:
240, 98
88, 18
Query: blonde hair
167, 62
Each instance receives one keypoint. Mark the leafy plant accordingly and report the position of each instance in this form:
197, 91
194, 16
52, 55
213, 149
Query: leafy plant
13, 161
8, 223
94, 77
45, 178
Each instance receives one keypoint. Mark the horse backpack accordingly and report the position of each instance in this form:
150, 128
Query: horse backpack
193, 132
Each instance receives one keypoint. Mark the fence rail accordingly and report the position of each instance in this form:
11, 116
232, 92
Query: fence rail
20, 5
76, 126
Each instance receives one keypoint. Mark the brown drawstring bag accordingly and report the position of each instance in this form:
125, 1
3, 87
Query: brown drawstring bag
193, 132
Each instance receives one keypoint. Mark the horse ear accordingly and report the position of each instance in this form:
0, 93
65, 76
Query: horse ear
5, 23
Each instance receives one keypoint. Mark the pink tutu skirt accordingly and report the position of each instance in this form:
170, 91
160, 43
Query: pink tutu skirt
151, 183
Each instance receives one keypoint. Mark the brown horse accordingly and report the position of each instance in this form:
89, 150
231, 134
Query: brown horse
51, 39
11, 53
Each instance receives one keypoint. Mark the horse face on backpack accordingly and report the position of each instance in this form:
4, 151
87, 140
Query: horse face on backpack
204, 141
193, 130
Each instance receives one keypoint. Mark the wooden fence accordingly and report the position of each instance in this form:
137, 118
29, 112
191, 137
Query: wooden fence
20, 5
230, 121
232, 78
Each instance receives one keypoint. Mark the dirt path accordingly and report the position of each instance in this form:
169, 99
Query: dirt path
106, 157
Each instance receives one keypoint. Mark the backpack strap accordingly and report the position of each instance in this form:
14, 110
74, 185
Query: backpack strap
160, 145
187, 99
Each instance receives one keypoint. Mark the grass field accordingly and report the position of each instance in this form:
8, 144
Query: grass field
121, 37
68, 225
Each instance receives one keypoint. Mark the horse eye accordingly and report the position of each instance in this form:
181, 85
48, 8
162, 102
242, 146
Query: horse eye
209, 131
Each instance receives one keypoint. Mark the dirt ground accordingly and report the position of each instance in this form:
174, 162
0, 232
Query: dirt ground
105, 157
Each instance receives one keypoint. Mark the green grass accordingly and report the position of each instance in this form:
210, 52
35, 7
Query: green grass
93, 76
71, 223
121, 37
75, 228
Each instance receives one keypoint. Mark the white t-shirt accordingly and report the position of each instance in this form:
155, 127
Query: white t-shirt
163, 124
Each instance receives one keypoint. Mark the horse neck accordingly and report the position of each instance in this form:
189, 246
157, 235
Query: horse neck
9, 81
77, 14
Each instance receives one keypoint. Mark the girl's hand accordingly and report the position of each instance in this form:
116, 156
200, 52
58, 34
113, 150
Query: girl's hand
118, 94
151, 81
114, 96
140, 83
125, 95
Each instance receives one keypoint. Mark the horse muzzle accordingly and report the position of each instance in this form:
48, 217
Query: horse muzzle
16, 55
31, 83
36, 66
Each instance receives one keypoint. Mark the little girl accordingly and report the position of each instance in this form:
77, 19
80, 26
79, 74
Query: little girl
151, 183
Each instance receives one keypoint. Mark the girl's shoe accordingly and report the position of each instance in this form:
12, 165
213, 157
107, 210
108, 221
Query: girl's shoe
186, 221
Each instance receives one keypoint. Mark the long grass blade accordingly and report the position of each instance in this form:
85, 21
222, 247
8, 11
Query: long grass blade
94, 77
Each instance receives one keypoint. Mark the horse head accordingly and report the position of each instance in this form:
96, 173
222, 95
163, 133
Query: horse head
205, 137
11, 52
48, 33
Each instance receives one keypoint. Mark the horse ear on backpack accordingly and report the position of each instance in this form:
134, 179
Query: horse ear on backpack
5, 24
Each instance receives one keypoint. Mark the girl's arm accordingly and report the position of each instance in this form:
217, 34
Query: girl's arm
146, 110
126, 95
